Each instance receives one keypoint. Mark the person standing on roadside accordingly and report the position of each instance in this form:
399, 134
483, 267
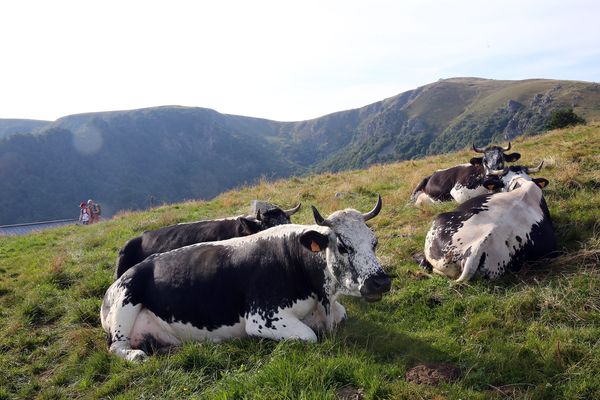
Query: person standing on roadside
84, 214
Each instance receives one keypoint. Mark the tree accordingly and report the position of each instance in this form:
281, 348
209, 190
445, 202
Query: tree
562, 118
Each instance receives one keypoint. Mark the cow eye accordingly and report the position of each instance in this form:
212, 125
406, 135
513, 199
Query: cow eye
375, 244
342, 249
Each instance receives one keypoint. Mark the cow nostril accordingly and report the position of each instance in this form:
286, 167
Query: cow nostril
379, 284
384, 283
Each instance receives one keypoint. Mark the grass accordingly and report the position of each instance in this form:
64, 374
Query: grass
533, 335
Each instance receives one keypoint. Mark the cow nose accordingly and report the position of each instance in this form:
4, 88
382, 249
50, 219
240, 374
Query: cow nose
376, 284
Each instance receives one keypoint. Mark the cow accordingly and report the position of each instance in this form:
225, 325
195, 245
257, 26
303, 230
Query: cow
464, 181
281, 283
492, 233
179, 235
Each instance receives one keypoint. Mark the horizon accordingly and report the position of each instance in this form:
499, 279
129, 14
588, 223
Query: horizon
285, 121
275, 61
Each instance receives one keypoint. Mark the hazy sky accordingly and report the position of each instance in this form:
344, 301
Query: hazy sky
283, 60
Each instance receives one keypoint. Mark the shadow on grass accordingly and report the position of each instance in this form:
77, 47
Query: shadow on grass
385, 344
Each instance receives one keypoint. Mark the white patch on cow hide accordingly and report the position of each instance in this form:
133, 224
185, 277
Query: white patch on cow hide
462, 193
424, 198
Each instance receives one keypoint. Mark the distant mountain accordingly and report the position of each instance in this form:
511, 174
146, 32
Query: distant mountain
15, 126
124, 159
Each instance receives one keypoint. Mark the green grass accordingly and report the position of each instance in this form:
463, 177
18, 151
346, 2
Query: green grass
534, 335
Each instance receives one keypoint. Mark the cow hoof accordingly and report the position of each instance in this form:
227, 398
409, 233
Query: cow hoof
339, 313
136, 356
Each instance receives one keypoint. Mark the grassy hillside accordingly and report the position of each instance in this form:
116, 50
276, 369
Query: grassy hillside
534, 335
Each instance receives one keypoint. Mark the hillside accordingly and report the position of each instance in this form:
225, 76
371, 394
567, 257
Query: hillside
533, 335
125, 158
19, 126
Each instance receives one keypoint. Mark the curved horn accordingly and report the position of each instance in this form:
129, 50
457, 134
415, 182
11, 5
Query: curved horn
292, 211
374, 211
506, 148
497, 172
536, 169
478, 149
318, 218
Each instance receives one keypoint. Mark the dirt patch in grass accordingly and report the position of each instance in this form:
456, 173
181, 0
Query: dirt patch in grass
432, 374
349, 393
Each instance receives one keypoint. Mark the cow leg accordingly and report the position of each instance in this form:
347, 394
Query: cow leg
424, 198
339, 313
320, 320
279, 326
118, 317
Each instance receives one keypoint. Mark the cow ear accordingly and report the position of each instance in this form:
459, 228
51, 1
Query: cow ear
476, 160
314, 241
493, 184
541, 182
247, 226
512, 157
258, 216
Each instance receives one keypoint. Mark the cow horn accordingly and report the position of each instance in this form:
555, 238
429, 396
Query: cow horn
536, 169
374, 211
506, 148
498, 172
292, 211
477, 149
318, 218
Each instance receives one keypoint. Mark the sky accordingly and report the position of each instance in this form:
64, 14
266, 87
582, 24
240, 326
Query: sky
281, 60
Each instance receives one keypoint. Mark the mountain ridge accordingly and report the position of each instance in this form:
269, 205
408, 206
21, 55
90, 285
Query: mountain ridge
171, 153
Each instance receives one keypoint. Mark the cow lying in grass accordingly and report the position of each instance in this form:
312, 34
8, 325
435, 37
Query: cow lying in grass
492, 233
176, 236
465, 181
281, 283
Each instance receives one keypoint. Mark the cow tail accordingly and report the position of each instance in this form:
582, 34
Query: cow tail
420, 187
470, 266
128, 256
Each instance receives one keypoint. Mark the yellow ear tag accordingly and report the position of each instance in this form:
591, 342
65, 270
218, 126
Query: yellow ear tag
314, 246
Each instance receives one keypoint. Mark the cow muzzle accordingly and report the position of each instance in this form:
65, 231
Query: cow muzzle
375, 286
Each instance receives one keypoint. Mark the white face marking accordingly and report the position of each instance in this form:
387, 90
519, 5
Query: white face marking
510, 179
493, 231
359, 262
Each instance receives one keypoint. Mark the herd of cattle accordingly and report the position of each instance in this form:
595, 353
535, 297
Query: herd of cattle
261, 275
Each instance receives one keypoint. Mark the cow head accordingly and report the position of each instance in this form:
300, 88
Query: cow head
494, 158
505, 181
247, 226
519, 171
270, 215
349, 246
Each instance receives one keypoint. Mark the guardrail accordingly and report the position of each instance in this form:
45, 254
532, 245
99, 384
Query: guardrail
23, 229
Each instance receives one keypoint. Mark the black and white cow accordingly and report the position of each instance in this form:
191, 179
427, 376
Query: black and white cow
281, 283
465, 181
492, 233
179, 235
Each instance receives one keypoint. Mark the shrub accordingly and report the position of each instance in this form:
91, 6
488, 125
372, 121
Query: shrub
562, 118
